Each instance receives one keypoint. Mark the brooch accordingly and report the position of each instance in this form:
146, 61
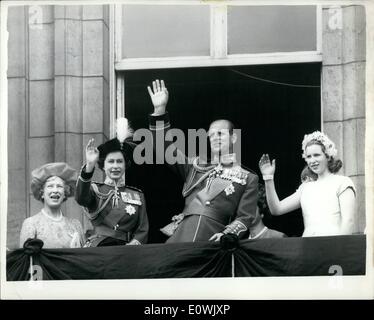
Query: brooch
130, 209
230, 189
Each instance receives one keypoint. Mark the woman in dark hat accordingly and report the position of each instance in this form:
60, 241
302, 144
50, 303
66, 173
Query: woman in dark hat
52, 184
117, 212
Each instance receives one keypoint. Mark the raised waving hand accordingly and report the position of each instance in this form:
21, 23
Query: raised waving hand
92, 155
267, 167
159, 95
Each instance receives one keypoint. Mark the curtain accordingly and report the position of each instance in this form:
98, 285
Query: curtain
230, 257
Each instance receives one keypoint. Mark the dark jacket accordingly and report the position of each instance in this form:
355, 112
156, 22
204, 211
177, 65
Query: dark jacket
218, 198
119, 214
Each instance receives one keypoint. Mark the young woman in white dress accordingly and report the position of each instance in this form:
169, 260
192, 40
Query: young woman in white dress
328, 203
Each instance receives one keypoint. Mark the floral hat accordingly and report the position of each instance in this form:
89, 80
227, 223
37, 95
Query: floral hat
322, 138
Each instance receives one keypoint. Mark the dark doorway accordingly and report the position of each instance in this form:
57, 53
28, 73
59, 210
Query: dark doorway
274, 105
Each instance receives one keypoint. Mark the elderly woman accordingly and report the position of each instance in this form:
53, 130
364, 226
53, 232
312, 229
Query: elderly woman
328, 203
117, 211
52, 184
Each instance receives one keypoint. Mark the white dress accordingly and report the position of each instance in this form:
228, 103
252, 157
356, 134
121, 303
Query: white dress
55, 233
320, 205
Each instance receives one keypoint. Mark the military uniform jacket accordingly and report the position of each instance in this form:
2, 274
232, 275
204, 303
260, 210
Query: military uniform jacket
218, 197
117, 212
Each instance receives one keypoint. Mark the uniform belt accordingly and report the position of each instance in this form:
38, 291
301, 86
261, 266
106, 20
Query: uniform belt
207, 212
118, 234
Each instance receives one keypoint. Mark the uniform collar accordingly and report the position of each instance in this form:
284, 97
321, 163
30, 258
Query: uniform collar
225, 159
203, 166
110, 182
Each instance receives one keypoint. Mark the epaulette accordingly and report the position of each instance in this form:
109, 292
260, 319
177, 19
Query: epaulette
133, 188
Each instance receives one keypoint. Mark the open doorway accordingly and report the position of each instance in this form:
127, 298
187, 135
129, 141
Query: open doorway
273, 105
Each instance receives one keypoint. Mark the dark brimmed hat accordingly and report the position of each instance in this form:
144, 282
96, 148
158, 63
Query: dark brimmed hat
122, 143
113, 145
60, 169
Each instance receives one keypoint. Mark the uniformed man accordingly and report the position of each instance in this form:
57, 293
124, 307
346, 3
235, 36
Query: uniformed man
220, 196
117, 212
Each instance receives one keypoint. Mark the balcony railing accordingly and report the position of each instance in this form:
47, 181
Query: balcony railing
229, 258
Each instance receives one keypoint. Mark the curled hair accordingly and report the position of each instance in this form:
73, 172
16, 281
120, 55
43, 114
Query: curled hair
334, 165
261, 200
307, 173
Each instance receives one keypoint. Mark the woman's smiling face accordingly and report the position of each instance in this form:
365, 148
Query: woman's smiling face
316, 159
54, 192
114, 165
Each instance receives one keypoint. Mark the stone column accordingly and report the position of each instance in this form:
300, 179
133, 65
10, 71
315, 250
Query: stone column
40, 44
18, 189
58, 96
343, 92
82, 84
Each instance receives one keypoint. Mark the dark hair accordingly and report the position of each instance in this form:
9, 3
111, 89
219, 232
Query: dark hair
263, 209
306, 172
101, 160
261, 200
334, 165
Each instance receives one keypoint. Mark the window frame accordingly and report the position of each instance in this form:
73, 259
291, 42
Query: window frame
218, 52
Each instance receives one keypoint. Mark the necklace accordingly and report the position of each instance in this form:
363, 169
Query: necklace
59, 218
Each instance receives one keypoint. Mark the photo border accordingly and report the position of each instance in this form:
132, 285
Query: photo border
347, 287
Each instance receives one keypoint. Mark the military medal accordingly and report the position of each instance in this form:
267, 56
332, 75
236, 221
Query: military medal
125, 196
115, 198
215, 173
230, 189
235, 175
133, 198
130, 209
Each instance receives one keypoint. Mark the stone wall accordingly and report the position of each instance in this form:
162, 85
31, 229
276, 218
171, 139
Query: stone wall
343, 92
58, 94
